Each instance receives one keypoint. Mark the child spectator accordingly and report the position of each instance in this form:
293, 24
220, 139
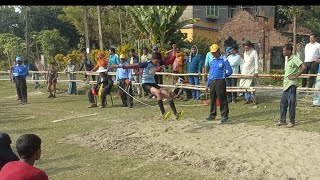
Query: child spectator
52, 80
180, 80
29, 150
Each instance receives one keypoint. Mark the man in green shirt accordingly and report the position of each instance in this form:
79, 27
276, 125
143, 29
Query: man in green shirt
293, 68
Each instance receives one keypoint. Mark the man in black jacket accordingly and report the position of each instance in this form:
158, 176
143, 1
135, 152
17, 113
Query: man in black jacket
6, 153
86, 65
102, 88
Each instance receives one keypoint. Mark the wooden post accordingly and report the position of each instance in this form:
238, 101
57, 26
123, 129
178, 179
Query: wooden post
294, 34
27, 30
120, 26
86, 29
100, 28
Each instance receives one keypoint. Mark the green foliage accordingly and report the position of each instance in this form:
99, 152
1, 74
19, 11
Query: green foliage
11, 46
110, 23
160, 23
52, 43
124, 49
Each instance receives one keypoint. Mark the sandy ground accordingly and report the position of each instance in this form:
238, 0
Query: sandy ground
237, 150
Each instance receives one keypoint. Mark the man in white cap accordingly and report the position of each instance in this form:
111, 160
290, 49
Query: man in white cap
102, 88
20, 72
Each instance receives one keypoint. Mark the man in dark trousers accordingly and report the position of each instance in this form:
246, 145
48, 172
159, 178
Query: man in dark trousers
219, 70
20, 72
102, 88
124, 78
6, 153
294, 67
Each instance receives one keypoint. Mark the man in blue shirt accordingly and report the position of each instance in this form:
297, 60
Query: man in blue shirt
113, 59
220, 69
124, 78
234, 60
20, 72
136, 76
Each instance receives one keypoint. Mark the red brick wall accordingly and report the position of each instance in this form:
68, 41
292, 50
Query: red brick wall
244, 27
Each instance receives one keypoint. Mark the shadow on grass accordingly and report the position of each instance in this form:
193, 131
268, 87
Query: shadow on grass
55, 170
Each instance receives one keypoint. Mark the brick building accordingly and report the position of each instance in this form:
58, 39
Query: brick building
245, 27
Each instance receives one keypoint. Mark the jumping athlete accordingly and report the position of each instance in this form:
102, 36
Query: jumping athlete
149, 84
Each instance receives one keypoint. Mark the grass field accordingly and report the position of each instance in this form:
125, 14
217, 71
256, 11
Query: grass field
70, 161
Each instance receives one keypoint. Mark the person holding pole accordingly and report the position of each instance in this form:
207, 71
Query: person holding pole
294, 67
219, 70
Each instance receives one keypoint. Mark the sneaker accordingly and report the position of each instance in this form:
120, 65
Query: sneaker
54, 96
18, 99
92, 106
281, 124
167, 115
290, 125
210, 118
100, 106
224, 120
180, 115
50, 96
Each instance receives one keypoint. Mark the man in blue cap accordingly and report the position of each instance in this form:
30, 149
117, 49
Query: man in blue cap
20, 72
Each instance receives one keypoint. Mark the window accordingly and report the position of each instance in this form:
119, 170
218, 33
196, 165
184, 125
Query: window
232, 10
212, 11
254, 10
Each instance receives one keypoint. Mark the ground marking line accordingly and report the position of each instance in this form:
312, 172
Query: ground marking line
58, 120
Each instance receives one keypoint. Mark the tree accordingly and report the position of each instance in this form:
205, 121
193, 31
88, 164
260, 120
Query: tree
311, 19
11, 46
160, 23
52, 43
46, 18
110, 23
10, 21
292, 13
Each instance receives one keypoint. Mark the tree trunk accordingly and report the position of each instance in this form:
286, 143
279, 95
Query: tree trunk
86, 29
100, 28
120, 26
294, 34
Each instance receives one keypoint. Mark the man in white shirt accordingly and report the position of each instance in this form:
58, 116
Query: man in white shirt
312, 53
234, 60
250, 66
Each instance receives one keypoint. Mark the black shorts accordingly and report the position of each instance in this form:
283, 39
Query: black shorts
147, 86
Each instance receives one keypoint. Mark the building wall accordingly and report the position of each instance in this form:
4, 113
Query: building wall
245, 27
189, 32
187, 13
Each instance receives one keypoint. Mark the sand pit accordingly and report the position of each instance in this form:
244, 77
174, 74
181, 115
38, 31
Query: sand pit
237, 150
